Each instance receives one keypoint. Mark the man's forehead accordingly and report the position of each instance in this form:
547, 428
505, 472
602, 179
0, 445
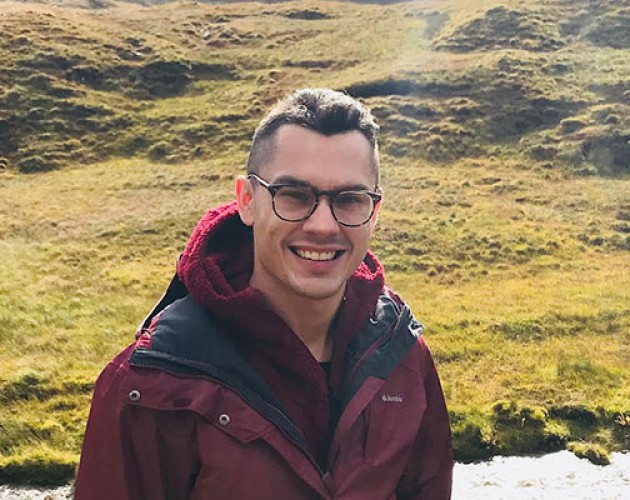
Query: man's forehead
301, 152
287, 132
295, 141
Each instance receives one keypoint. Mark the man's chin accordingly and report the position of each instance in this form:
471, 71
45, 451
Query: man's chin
318, 291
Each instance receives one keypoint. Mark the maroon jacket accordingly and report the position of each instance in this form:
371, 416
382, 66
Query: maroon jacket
200, 406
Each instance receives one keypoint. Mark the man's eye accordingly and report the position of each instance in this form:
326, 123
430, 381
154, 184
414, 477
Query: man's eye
296, 195
350, 199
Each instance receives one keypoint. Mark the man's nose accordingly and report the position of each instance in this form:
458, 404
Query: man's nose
322, 220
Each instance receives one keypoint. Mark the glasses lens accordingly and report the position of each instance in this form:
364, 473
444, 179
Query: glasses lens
353, 208
293, 203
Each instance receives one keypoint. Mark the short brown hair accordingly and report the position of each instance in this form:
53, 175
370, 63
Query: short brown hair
322, 110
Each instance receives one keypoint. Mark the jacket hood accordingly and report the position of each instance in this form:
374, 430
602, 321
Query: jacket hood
218, 259
216, 267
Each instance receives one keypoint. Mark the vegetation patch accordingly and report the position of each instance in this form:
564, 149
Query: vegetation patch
607, 152
521, 429
560, 325
594, 453
402, 87
36, 386
621, 429
216, 35
502, 28
611, 30
54, 109
307, 14
455, 115
41, 467
153, 79
472, 436
510, 428
435, 22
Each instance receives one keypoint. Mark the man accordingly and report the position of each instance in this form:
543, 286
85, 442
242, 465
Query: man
278, 365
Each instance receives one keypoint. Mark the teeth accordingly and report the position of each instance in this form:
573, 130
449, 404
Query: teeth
315, 255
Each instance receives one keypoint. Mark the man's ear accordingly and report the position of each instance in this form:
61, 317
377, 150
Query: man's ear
245, 200
374, 218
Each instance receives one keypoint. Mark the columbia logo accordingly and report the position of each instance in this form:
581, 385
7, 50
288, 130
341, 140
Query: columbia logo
391, 398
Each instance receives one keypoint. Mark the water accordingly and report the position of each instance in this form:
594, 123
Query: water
557, 476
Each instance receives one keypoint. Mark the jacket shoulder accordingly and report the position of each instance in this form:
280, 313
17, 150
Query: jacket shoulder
418, 358
183, 329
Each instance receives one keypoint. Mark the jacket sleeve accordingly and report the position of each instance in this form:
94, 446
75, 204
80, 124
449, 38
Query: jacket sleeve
132, 452
429, 471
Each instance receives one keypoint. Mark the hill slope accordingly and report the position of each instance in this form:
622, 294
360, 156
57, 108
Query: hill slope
92, 84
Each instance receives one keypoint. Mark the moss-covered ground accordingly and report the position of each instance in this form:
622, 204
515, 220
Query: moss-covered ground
506, 224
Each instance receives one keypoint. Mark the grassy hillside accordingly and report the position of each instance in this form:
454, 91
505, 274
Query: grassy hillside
506, 225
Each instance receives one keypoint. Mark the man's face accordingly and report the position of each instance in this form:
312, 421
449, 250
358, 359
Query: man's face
312, 258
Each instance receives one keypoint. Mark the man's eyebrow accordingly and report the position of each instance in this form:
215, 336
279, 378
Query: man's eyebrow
294, 181
288, 179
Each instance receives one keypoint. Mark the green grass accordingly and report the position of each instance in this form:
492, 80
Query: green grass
507, 234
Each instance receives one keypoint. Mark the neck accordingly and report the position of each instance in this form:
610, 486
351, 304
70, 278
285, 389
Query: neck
310, 319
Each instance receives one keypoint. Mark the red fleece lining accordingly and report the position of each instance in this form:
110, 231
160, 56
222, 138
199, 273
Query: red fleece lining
216, 267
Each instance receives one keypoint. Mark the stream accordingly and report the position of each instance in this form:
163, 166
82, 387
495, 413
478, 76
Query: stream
556, 476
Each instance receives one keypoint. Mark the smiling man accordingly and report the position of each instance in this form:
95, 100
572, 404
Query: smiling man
278, 364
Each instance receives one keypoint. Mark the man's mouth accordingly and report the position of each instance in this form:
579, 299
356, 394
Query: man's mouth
317, 256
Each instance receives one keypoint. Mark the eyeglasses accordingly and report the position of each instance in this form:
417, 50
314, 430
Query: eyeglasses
295, 203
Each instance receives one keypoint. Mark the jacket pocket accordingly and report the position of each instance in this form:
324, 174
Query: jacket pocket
393, 423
